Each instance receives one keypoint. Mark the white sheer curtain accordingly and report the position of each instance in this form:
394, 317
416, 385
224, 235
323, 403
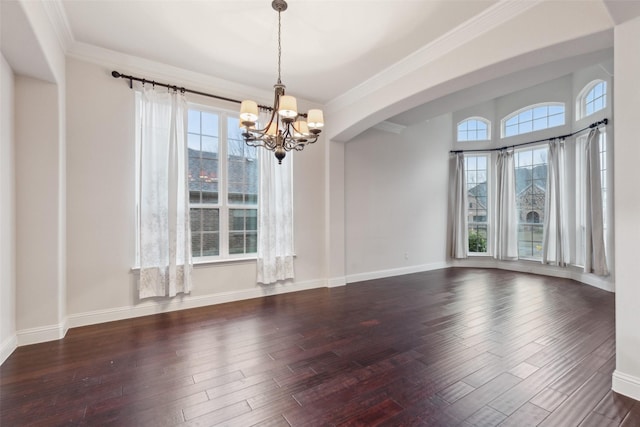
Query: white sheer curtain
506, 229
275, 220
165, 237
555, 242
459, 238
595, 260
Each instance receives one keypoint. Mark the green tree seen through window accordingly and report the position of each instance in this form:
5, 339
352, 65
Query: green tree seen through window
477, 242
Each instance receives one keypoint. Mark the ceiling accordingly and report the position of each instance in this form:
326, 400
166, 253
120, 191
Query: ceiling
332, 51
328, 47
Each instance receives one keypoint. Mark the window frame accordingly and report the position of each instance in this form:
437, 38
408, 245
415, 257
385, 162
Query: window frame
478, 119
540, 223
487, 222
224, 206
532, 107
606, 182
581, 100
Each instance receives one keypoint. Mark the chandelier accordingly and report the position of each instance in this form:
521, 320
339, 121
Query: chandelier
286, 129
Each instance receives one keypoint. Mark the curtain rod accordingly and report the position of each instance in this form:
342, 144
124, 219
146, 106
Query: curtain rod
506, 147
117, 75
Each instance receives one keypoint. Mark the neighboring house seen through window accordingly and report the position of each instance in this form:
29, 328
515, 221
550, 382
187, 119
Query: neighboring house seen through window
531, 187
476, 172
223, 186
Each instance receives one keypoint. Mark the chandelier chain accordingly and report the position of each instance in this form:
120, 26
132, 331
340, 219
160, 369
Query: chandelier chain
279, 49
286, 129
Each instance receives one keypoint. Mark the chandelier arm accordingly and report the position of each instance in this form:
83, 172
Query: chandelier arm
263, 130
286, 136
272, 119
259, 142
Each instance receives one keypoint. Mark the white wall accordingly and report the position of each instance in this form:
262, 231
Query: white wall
7, 214
335, 251
37, 205
626, 378
396, 200
509, 40
101, 213
563, 89
32, 50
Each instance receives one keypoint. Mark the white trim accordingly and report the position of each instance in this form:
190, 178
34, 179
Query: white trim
361, 277
58, 18
581, 99
7, 347
335, 282
391, 127
41, 334
625, 384
517, 113
481, 119
55, 332
186, 302
487, 20
129, 64
574, 273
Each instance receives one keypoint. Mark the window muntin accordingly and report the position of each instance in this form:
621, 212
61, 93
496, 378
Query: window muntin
531, 187
223, 186
581, 195
476, 172
242, 195
592, 98
474, 129
533, 118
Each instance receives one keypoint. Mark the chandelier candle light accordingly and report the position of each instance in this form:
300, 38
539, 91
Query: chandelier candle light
287, 129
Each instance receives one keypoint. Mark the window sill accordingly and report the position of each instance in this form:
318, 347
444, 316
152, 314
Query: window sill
210, 262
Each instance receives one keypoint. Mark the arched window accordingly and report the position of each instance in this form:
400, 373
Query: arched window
474, 129
533, 217
592, 98
533, 118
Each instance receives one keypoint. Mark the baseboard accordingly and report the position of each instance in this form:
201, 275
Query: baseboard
41, 334
626, 384
7, 347
372, 275
574, 273
336, 282
187, 302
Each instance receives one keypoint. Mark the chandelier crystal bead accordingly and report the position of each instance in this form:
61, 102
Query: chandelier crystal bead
286, 129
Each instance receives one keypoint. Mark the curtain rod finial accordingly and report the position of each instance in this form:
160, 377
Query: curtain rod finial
115, 74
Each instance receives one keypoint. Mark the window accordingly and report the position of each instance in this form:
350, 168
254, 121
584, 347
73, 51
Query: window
581, 195
474, 129
531, 188
476, 171
223, 186
591, 99
533, 118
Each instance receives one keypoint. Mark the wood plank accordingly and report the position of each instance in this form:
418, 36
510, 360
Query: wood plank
450, 347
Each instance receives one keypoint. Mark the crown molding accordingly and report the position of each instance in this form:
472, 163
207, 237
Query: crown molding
129, 64
58, 19
492, 17
388, 126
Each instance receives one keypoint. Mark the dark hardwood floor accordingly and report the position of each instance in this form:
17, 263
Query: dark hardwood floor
452, 347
